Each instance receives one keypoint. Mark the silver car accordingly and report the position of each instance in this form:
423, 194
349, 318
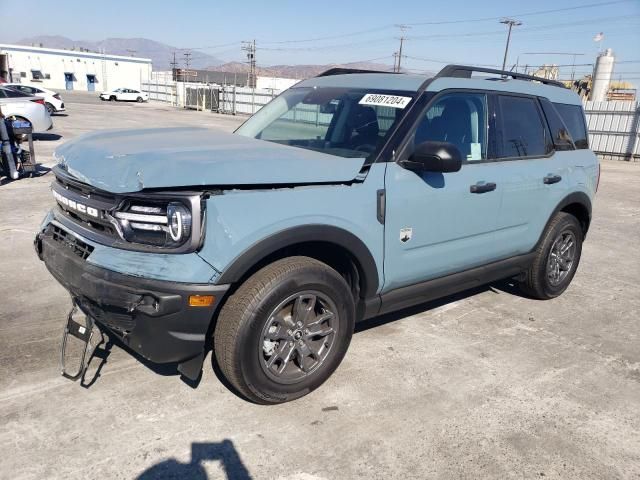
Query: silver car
24, 106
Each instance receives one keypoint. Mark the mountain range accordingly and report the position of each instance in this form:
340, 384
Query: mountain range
161, 55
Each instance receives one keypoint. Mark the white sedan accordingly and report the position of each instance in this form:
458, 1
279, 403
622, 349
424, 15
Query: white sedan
52, 100
23, 106
125, 94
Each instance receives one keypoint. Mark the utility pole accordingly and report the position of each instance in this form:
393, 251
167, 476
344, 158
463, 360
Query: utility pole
174, 67
398, 54
187, 60
512, 23
250, 48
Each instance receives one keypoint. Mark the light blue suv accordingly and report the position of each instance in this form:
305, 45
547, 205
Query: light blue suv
350, 195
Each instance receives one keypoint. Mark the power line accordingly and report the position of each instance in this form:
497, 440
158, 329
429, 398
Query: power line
540, 12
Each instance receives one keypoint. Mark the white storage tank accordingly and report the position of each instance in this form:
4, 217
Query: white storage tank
602, 76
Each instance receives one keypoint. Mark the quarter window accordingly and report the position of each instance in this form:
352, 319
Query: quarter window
573, 118
459, 119
559, 132
523, 134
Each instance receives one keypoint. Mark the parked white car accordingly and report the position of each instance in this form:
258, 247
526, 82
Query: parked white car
52, 100
28, 107
125, 94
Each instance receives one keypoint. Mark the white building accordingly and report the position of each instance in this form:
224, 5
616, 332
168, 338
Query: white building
72, 70
275, 83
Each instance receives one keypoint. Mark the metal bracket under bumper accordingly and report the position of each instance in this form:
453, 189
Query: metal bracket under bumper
84, 333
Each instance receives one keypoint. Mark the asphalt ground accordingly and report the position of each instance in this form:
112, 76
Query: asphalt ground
485, 384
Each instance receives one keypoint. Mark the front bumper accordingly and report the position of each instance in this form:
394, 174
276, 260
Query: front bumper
151, 317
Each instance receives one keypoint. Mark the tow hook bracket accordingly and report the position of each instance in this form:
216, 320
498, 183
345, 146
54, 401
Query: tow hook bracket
83, 333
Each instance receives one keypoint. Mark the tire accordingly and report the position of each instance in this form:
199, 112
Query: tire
139, 100
112, 98
250, 362
50, 108
547, 278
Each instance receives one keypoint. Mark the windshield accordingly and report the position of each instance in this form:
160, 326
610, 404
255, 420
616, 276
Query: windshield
345, 122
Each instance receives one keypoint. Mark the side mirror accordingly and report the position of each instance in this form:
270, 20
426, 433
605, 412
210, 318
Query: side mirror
441, 157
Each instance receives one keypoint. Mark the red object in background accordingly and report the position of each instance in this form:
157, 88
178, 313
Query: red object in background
2, 80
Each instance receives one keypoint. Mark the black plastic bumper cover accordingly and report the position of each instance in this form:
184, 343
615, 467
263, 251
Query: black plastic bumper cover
152, 317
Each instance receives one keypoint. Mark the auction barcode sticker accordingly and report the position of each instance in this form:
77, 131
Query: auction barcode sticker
393, 101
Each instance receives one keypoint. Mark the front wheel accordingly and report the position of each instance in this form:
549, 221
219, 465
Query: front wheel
112, 98
557, 258
139, 99
50, 108
285, 330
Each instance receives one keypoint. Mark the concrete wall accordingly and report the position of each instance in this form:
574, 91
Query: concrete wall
109, 71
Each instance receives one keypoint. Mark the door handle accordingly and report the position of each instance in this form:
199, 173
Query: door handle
482, 187
551, 179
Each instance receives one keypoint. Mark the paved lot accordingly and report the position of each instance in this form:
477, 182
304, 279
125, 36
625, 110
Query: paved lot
482, 385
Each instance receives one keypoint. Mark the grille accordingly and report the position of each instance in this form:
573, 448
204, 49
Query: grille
77, 246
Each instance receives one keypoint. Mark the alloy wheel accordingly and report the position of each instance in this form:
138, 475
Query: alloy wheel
298, 336
561, 257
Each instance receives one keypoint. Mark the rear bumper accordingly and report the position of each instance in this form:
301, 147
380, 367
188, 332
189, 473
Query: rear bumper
151, 317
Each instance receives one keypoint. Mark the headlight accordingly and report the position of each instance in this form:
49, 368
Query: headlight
178, 222
172, 225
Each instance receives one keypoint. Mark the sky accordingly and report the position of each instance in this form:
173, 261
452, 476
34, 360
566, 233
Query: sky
329, 31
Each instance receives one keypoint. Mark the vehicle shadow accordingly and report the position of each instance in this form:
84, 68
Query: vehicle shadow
223, 452
509, 286
60, 114
103, 349
46, 137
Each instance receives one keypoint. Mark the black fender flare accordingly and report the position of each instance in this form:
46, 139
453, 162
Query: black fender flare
580, 198
302, 234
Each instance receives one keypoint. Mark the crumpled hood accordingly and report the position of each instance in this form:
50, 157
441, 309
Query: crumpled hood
122, 161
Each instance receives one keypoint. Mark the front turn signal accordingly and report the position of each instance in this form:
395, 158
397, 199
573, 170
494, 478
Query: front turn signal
201, 300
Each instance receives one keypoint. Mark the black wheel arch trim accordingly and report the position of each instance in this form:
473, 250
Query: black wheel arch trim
303, 234
580, 198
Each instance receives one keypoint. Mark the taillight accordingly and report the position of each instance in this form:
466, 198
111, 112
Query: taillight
598, 180
38, 100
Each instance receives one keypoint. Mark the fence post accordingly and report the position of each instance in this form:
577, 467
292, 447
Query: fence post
635, 150
234, 99
253, 100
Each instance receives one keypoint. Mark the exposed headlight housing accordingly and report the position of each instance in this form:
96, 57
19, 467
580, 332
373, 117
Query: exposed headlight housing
175, 225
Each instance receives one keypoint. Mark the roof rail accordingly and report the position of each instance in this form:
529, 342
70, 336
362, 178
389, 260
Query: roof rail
343, 71
463, 71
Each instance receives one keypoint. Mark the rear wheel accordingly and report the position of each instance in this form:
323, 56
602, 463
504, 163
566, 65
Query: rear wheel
557, 258
285, 330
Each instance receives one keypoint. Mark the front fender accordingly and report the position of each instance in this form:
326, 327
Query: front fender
245, 226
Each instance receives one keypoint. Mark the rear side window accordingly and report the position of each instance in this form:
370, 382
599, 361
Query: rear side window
573, 118
10, 93
522, 132
559, 132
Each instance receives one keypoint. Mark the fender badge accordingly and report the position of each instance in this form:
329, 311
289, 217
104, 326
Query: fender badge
406, 234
